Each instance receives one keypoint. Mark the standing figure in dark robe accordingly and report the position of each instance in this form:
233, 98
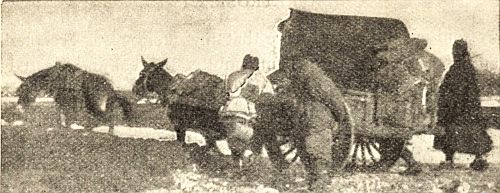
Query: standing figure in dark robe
460, 112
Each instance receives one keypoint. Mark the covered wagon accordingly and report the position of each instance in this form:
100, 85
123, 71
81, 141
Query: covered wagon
376, 75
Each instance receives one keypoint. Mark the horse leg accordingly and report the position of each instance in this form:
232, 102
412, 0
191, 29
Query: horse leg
317, 175
309, 163
274, 153
237, 159
109, 118
67, 116
97, 107
181, 133
90, 109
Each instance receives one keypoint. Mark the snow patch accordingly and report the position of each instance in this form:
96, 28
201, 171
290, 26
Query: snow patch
4, 123
223, 147
490, 101
193, 137
138, 132
45, 100
142, 101
76, 126
17, 123
421, 146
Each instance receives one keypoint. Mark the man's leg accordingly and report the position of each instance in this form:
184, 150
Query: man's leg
414, 167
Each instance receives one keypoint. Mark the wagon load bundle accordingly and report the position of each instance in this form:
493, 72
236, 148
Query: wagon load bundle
191, 93
407, 87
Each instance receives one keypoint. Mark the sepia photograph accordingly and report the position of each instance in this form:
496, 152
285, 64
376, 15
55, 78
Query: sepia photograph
250, 96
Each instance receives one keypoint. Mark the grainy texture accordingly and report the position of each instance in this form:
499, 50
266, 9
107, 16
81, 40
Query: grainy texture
350, 41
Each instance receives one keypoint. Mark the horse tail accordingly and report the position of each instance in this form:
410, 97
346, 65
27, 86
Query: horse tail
126, 106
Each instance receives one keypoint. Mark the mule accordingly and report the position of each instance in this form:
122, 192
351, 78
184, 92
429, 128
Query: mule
73, 89
193, 101
180, 95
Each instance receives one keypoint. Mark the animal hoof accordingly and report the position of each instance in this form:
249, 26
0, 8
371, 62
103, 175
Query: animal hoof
447, 165
479, 165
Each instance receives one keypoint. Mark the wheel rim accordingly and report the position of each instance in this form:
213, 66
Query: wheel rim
342, 140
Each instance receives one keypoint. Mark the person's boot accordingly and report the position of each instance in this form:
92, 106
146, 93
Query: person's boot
479, 164
414, 168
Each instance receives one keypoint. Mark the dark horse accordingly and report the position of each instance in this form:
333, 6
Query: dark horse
193, 101
73, 88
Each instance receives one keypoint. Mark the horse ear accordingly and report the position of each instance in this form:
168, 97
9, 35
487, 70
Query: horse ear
144, 63
21, 78
162, 63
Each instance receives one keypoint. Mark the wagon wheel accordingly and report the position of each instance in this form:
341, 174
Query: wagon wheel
342, 140
280, 148
374, 153
274, 127
282, 152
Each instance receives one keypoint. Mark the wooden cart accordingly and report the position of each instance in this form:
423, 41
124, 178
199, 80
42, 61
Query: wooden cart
345, 48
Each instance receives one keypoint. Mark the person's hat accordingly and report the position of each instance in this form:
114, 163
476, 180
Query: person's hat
459, 46
250, 62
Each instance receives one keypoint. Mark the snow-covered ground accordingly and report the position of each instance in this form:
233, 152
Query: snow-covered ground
421, 145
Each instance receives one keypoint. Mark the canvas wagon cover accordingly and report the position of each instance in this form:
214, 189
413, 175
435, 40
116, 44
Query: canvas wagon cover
344, 46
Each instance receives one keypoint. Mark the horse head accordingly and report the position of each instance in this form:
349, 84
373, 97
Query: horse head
30, 87
46, 80
25, 93
152, 78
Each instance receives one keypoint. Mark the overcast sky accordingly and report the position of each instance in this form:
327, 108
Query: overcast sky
109, 37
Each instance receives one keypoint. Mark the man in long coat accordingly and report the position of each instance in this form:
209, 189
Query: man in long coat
460, 112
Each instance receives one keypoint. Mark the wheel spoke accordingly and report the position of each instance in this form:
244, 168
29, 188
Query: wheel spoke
363, 156
355, 153
374, 145
371, 153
